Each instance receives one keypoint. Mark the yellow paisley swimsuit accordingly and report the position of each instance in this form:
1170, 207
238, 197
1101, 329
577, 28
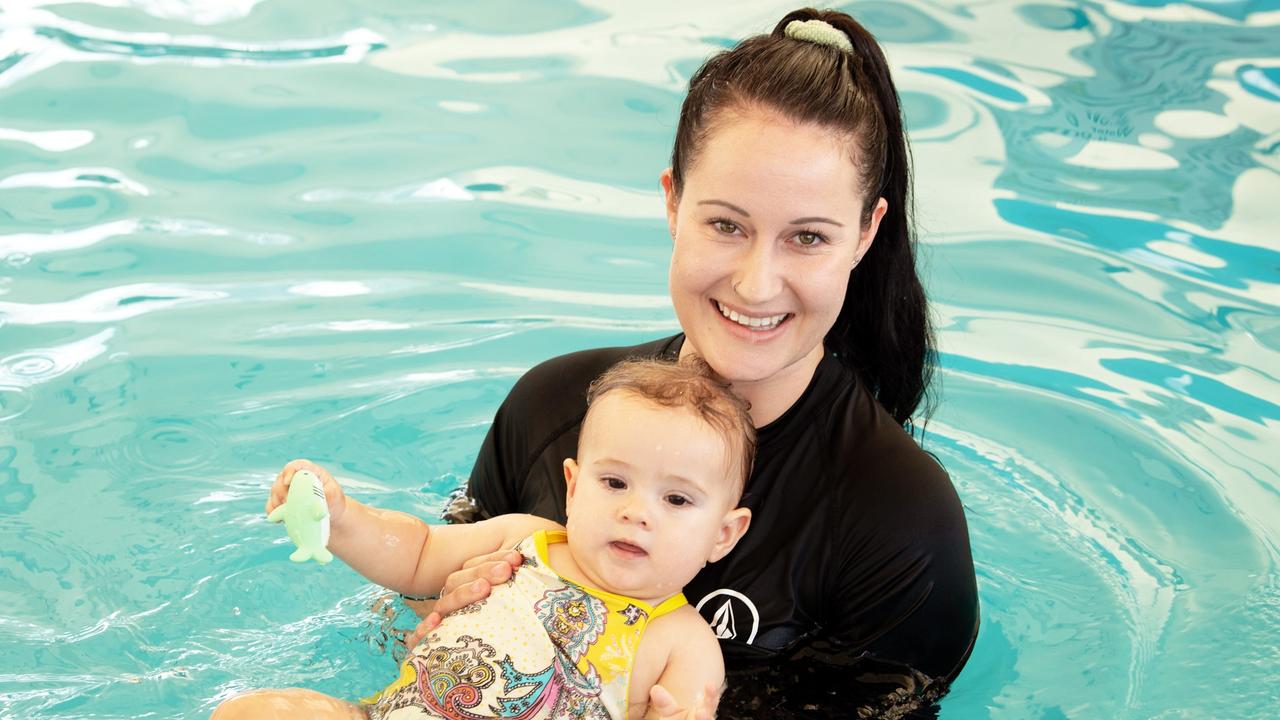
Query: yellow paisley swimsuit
539, 646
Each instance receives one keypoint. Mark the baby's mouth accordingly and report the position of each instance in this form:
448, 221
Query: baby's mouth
627, 548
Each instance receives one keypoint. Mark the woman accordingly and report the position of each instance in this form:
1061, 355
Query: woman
793, 274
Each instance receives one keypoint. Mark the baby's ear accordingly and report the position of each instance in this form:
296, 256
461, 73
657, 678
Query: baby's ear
732, 528
570, 476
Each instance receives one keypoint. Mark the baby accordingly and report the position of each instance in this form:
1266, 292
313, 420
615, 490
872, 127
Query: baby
593, 624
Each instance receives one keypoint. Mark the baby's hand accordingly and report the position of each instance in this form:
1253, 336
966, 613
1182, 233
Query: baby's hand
333, 495
663, 706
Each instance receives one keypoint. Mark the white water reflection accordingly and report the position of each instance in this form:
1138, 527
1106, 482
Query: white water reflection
95, 177
49, 140
571, 297
520, 186
107, 305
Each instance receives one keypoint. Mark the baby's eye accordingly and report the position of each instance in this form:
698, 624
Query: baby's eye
677, 500
614, 483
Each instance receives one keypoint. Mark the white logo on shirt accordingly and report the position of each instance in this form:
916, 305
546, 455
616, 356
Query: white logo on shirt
724, 621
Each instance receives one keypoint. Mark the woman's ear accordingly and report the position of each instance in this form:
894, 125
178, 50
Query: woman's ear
869, 232
732, 528
672, 200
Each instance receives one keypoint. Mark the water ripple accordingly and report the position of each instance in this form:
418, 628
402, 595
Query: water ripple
1043, 508
35, 366
13, 402
165, 445
108, 305
161, 229
49, 140
353, 45
97, 177
522, 186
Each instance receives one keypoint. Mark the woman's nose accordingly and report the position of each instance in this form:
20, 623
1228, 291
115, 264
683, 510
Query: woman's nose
758, 277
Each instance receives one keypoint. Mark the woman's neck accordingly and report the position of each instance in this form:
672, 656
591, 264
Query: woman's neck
772, 396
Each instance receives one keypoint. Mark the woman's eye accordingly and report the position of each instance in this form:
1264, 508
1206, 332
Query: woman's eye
810, 239
724, 226
677, 500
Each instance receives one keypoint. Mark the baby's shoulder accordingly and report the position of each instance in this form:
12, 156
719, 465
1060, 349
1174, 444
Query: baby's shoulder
679, 642
682, 628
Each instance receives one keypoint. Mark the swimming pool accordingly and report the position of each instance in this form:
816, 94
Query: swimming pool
233, 233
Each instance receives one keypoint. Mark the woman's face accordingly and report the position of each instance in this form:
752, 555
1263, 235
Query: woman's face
766, 232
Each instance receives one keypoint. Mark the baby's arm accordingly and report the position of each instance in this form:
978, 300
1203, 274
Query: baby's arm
403, 553
689, 686
399, 551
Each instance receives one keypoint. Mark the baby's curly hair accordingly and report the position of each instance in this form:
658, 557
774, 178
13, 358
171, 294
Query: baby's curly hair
688, 383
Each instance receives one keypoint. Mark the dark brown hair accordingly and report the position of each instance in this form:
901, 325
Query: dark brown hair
691, 384
883, 331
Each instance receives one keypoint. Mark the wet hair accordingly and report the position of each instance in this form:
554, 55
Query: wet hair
883, 331
690, 384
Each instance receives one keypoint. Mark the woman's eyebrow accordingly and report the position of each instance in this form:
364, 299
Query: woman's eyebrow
807, 220
797, 221
731, 206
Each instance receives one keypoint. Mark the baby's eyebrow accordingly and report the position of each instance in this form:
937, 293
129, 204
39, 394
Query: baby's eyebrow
610, 462
688, 482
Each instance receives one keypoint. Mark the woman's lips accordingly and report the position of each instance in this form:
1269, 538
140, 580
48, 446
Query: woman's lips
757, 334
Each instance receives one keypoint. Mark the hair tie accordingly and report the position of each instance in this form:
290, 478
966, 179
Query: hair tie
819, 32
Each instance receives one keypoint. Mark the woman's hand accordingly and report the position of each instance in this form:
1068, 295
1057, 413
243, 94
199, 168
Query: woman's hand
333, 495
470, 584
663, 706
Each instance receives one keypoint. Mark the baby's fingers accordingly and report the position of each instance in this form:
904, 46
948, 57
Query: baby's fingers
280, 487
662, 703
279, 490
704, 707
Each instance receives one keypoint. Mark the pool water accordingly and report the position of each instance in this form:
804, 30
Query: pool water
237, 232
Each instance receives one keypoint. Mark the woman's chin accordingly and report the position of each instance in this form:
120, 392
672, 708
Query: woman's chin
743, 366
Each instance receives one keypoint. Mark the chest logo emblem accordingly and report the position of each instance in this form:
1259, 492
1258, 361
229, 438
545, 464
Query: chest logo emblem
732, 615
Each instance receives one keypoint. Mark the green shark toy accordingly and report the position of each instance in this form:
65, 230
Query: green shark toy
306, 518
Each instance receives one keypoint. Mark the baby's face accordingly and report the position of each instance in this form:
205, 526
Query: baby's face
651, 497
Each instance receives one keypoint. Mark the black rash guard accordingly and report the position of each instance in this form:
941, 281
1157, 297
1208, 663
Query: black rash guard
855, 579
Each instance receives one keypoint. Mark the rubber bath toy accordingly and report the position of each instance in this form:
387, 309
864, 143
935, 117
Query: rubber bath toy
306, 518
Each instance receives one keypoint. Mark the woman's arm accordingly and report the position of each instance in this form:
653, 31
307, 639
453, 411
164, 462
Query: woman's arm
906, 591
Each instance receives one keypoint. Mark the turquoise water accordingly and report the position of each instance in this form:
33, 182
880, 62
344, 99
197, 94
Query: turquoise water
237, 232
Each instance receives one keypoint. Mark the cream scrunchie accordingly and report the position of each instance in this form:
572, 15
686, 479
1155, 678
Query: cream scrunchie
819, 32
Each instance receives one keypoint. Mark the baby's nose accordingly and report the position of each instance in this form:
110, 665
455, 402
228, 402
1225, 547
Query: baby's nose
633, 510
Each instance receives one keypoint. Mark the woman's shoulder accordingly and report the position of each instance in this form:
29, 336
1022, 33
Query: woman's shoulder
876, 464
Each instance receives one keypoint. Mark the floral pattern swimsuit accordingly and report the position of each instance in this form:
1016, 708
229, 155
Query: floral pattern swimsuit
539, 646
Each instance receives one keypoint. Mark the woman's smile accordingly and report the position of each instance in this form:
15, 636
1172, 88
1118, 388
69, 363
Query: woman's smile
758, 323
